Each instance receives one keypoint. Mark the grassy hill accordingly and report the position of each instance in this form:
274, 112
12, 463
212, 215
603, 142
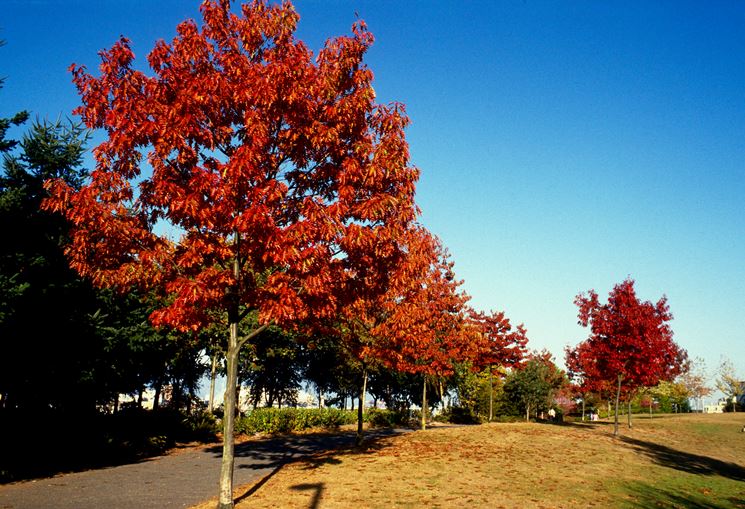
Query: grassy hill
684, 461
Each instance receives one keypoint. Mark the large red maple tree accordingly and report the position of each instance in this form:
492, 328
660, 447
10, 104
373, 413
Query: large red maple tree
285, 183
630, 343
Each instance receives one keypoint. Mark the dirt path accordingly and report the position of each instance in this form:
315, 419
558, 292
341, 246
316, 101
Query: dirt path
173, 481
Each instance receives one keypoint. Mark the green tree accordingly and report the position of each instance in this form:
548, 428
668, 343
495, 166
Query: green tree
271, 368
533, 385
46, 327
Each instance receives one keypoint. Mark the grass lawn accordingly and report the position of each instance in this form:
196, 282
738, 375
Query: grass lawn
684, 461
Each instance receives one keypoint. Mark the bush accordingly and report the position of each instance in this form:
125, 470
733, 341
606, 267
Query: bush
383, 418
285, 420
460, 415
201, 426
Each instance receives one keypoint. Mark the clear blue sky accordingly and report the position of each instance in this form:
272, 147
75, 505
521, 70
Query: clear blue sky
563, 145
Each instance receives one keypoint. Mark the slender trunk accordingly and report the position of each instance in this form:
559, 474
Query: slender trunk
213, 378
491, 396
424, 402
140, 396
156, 400
527, 412
361, 408
441, 386
618, 397
650, 408
320, 398
116, 403
583, 408
237, 388
609, 409
351, 400
629, 414
228, 444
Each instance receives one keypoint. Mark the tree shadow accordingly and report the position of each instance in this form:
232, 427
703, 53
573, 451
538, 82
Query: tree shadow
312, 449
317, 487
685, 461
644, 495
266, 453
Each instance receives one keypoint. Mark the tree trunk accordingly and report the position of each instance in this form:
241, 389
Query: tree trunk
361, 408
491, 395
213, 378
424, 402
609, 409
527, 412
156, 400
650, 408
225, 500
320, 399
237, 388
618, 397
629, 414
583, 408
140, 396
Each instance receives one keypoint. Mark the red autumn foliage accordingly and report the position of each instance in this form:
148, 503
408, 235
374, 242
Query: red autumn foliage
630, 344
497, 343
286, 183
258, 153
425, 327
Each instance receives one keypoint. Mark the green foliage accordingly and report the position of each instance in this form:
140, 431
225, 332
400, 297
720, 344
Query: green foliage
286, 420
270, 365
384, 418
201, 426
532, 388
43, 303
461, 415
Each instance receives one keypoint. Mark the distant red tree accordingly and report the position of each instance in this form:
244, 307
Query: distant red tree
630, 344
496, 344
425, 328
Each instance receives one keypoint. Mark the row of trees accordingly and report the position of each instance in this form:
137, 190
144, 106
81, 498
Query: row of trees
297, 252
293, 198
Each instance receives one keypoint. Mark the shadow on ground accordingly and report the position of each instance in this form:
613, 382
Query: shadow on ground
684, 461
643, 496
313, 449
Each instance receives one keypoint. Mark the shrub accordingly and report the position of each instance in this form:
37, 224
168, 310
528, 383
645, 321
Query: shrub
200, 426
461, 415
285, 420
381, 418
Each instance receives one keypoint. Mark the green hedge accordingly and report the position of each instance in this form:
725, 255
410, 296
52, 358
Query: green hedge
286, 420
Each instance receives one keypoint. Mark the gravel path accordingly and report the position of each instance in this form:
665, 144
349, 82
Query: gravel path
174, 481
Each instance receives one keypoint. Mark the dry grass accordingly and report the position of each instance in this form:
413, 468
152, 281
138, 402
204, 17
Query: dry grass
695, 461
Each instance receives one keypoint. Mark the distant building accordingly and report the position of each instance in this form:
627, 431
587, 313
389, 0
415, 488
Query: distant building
717, 408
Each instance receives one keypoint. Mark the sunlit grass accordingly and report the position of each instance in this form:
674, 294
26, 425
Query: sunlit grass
685, 461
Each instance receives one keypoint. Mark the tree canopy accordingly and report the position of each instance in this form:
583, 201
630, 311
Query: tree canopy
630, 343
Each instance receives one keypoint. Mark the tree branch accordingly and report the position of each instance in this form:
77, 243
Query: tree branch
251, 335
